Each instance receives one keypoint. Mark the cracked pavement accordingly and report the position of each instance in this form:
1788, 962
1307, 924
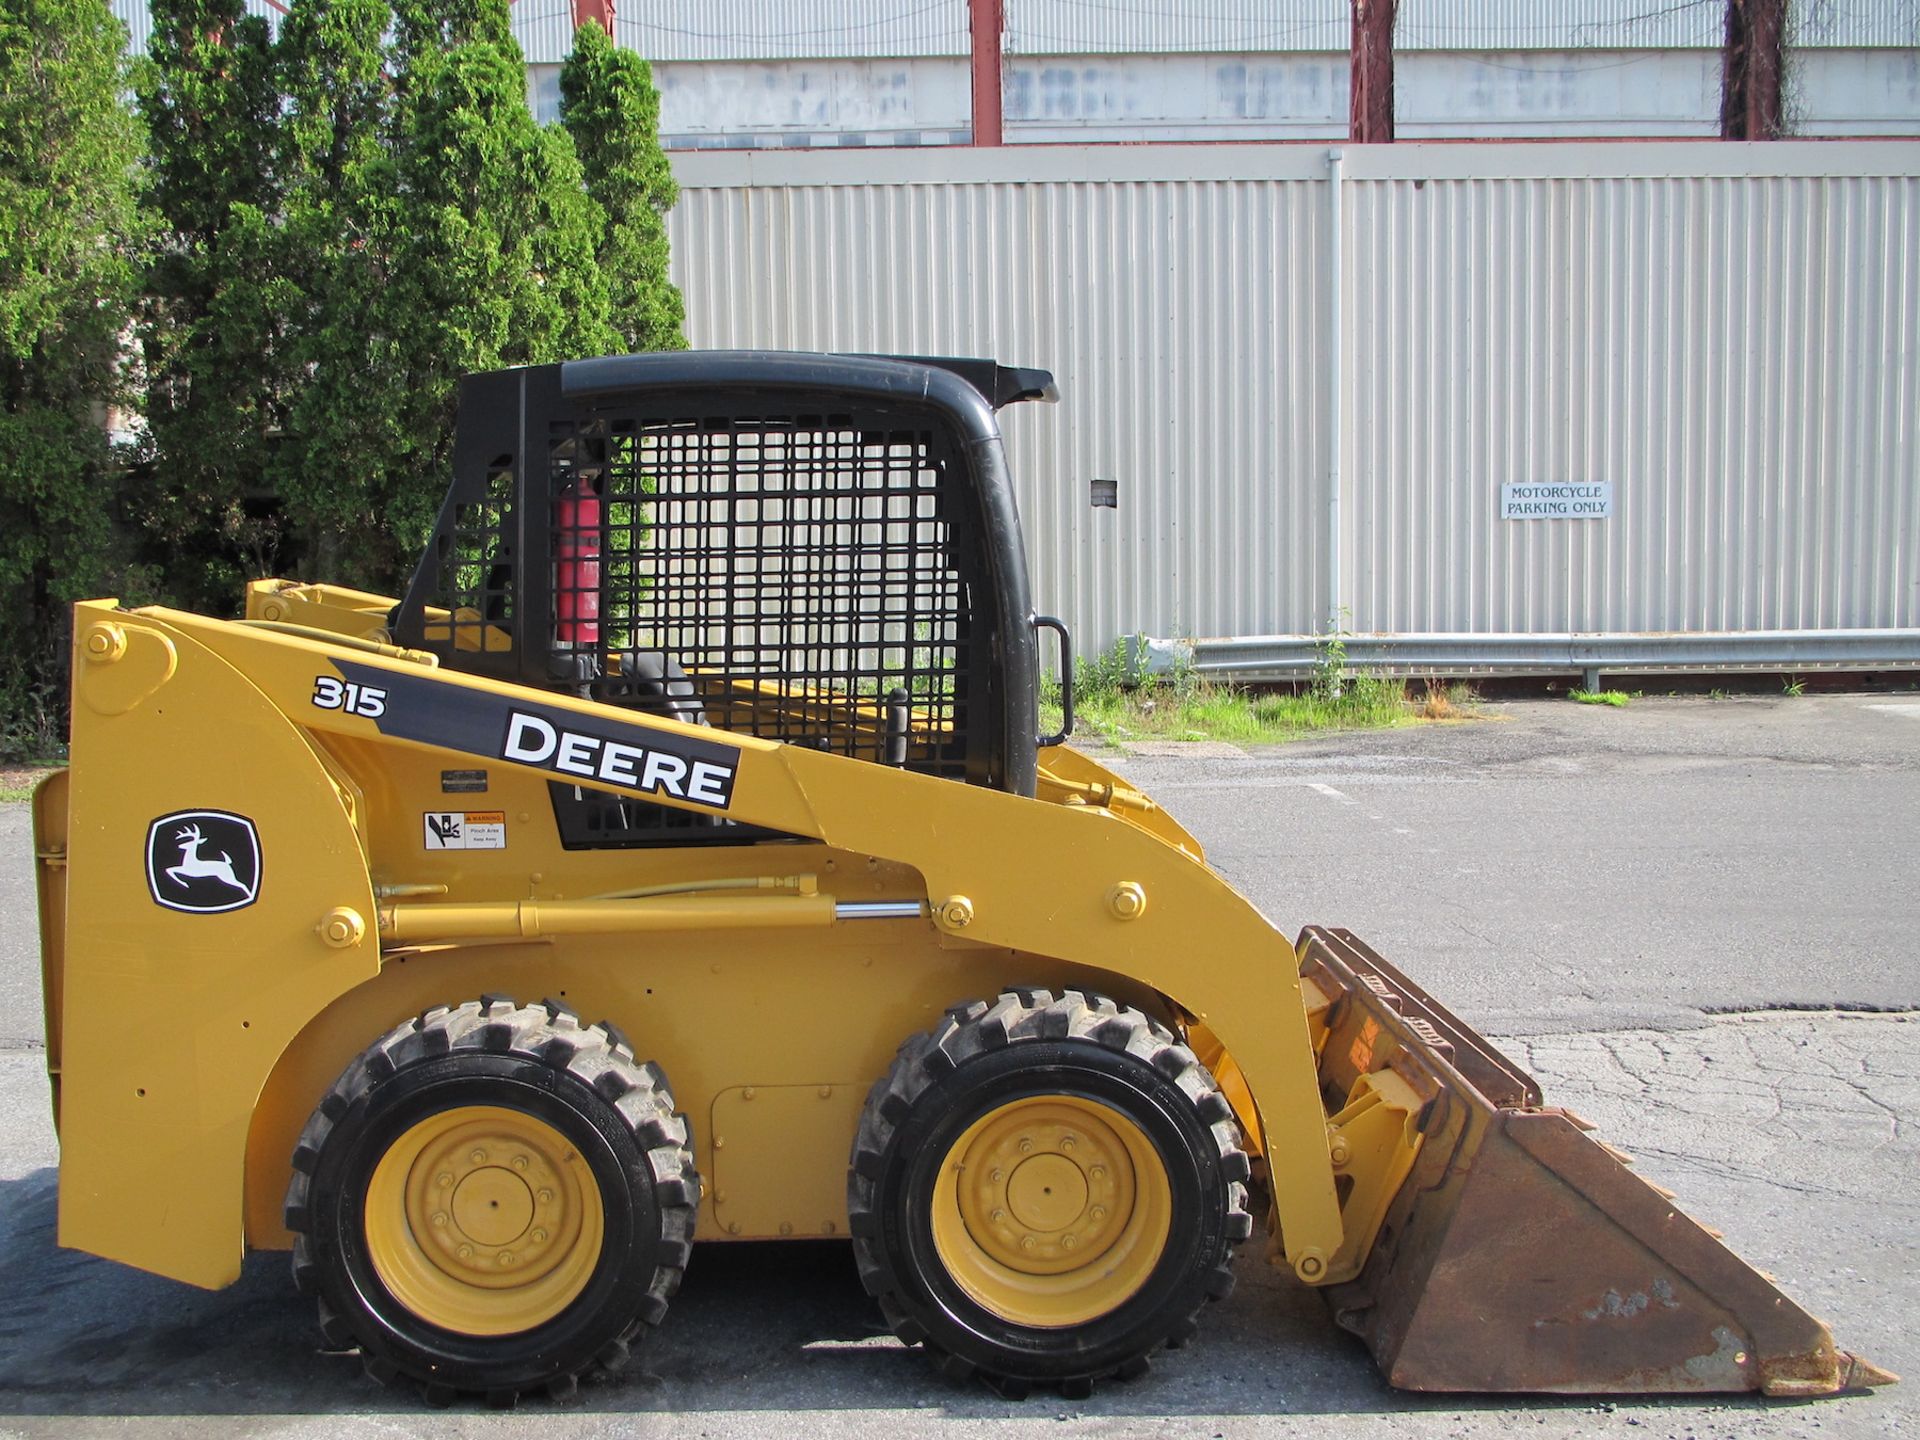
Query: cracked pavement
1693, 920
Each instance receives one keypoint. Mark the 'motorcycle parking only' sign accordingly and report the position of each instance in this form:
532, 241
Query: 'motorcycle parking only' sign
1590, 501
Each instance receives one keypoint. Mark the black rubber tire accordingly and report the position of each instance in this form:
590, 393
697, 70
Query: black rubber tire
582, 1080
1031, 1043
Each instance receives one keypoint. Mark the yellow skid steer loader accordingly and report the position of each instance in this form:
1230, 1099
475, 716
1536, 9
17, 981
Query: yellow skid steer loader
703, 745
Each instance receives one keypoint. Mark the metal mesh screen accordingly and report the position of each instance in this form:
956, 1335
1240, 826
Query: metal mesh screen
474, 564
788, 578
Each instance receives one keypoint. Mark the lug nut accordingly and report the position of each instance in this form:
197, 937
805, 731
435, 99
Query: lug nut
465, 1252
519, 1162
1069, 1241
505, 1257
443, 1179
1098, 1172
546, 1197
1026, 1147
440, 1217
1099, 1212
1026, 1242
539, 1237
999, 1217
1066, 1142
478, 1157
994, 1175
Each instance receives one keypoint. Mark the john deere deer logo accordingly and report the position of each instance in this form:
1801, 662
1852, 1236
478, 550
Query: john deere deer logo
203, 861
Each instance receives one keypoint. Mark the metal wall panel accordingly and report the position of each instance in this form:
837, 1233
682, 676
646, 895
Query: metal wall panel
789, 29
1854, 92
1559, 25
1725, 333
1850, 23
1075, 27
1180, 316
1638, 24
1561, 93
544, 29
1734, 354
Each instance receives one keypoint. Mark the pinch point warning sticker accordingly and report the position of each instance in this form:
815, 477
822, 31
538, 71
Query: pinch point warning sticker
465, 829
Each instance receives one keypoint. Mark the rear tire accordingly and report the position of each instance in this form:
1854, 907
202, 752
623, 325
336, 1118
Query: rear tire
493, 1199
1046, 1190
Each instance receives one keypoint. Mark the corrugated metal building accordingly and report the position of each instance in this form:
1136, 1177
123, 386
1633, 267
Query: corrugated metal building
1727, 335
767, 73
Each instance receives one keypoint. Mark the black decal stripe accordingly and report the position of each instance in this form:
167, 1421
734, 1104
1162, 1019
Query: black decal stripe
475, 722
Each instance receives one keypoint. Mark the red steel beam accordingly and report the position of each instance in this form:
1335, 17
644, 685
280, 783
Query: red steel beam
1752, 70
986, 18
598, 11
1371, 117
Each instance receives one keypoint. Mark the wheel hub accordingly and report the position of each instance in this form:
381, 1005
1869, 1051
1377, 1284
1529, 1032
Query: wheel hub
483, 1220
1051, 1210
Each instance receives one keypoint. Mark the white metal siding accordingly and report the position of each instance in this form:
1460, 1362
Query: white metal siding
1078, 27
1854, 92
1443, 93
789, 29
1735, 355
544, 29
1847, 24
1639, 24
1558, 24
1729, 334
1175, 97
1205, 413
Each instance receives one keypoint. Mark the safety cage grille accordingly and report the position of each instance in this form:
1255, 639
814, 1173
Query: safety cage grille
793, 578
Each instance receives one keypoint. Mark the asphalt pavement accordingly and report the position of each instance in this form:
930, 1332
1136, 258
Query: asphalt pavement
1695, 920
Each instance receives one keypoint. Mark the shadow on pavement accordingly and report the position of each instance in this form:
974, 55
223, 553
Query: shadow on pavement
758, 1327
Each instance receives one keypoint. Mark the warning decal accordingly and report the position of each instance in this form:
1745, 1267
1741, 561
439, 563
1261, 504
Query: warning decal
466, 830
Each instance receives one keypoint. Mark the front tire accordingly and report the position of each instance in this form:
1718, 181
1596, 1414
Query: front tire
1046, 1190
493, 1199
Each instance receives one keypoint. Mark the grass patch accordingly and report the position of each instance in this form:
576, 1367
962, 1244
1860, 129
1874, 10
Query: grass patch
1185, 706
1615, 698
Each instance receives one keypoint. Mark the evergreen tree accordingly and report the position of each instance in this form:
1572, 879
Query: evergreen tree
67, 277
336, 165
468, 245
211, 328
611, 109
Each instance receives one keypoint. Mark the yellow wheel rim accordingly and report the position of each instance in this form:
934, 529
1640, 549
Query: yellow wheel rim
1051, 1211
484, 1221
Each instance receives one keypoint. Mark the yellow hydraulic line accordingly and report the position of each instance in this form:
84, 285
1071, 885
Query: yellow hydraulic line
798, 884
528, 919
1099, 794
349, 642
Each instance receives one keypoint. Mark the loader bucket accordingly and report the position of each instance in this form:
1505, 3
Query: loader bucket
1521, 1253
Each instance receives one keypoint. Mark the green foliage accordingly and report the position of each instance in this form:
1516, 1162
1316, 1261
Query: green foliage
345, 222
1615, 698
446, 232
67, 276
1110, 701
210, 328
612, 111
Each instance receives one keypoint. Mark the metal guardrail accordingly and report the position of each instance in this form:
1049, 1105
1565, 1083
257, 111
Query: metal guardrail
1297, 657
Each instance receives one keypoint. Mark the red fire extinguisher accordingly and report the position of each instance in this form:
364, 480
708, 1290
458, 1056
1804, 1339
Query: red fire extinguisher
576, 549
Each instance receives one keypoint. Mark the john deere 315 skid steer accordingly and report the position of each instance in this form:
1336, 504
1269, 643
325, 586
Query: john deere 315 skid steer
678, 860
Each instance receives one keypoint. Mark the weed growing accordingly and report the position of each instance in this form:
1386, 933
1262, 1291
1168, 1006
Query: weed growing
1615, 698
1186, 705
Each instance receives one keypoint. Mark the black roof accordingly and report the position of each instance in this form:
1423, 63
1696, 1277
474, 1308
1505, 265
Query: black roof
897, 375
